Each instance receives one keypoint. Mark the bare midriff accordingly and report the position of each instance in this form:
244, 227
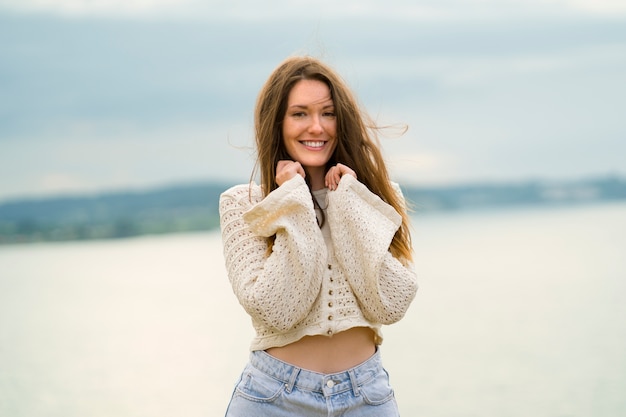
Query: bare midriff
328, 355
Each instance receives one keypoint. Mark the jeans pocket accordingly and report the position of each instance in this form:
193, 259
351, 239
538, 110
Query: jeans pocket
256, 386
377, 391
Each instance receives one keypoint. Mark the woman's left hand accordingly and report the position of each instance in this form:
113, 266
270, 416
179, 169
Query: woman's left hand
335, 173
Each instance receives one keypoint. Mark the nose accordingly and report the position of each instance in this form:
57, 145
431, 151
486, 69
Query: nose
316, 125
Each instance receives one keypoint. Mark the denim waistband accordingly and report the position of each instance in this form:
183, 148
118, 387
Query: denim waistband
305, 380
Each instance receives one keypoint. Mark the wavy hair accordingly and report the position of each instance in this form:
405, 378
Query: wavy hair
358, 145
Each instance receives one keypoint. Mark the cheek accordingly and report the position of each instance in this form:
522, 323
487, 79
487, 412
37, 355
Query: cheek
334, 148
288, 141
331, 127
331, 130
290, 130
284, 130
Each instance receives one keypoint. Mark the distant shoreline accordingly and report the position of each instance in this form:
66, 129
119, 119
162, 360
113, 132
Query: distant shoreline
191, 208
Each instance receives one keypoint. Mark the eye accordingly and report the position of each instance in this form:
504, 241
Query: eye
298, 114
329, 114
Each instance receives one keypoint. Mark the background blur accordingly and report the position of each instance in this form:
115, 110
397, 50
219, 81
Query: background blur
126, 118
101, 95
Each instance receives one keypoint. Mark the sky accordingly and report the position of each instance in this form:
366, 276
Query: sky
97, 96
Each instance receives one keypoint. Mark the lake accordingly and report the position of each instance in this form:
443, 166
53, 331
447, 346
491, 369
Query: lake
520, 312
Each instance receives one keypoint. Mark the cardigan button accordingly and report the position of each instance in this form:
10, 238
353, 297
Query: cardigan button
330, 317
330, 266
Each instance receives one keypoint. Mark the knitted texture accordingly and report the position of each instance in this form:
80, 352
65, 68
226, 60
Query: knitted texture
304, 287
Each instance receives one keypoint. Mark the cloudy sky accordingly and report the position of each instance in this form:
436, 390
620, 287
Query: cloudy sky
100, 95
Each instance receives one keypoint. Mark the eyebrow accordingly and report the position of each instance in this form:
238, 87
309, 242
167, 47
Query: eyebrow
305, 106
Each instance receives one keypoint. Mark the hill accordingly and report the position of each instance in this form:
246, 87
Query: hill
112, 215
195, 207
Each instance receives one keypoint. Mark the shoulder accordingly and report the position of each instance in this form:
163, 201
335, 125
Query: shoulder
251, 192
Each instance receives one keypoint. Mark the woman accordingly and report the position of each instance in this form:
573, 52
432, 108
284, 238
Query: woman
319, 254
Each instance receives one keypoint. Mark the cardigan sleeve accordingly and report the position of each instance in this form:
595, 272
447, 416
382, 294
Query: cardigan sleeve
276, 288
362, 228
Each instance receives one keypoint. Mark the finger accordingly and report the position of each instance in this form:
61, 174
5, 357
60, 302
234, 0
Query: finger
300, 170
336, 177
285, 170
328, 178
345, 170
280, 167
283, 163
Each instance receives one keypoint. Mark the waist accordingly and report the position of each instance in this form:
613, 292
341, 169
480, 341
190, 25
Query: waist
325, 354
308, 380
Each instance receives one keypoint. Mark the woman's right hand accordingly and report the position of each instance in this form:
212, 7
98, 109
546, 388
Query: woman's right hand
286, 170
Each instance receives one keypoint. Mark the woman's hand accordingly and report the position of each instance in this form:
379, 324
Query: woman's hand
286, 170
335, 173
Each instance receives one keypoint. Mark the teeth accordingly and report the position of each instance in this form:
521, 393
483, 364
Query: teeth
313, 144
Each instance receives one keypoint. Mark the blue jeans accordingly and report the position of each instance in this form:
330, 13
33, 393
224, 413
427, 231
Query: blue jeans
272, 388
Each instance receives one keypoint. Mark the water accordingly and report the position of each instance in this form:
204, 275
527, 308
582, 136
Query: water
519, 313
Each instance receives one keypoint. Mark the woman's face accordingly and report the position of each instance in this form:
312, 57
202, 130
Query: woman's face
310, 126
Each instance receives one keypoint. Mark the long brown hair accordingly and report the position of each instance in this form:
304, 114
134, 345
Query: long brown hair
358, 145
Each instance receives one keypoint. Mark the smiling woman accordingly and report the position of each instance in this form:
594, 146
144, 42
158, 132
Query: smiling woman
318, 255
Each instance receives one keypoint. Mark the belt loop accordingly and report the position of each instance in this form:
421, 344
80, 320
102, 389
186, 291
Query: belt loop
292, 379
353, 381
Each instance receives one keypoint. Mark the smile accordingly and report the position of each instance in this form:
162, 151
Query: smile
313, 144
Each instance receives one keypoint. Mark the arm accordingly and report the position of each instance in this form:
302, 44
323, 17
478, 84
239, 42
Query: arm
362, 228
276, 288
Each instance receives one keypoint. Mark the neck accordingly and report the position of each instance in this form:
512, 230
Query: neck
316, 178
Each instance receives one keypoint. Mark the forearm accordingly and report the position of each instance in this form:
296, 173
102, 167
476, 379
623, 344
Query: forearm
363, 227
278, 287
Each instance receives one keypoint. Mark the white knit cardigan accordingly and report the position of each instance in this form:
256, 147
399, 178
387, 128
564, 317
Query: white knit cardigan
301, 288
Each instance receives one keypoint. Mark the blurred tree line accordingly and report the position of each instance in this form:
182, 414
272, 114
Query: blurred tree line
113, 215
188, 208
